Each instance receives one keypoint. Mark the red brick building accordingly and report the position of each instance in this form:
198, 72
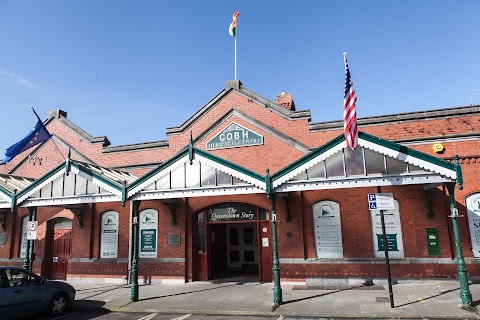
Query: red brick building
203, 210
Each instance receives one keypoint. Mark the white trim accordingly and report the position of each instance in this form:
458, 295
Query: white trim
307, 165
96, 181
5, 205
5, 197
159, 175
232, 172
203, 192
357, 181
41, 185
71, 200
360, 182
407, 158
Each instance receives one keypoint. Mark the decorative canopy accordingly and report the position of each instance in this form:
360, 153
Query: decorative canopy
195, 173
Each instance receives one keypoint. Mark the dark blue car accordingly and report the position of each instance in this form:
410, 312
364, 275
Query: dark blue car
24, 293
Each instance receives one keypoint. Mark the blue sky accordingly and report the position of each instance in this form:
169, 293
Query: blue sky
130, 69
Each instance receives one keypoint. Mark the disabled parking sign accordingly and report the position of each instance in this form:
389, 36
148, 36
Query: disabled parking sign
381, 201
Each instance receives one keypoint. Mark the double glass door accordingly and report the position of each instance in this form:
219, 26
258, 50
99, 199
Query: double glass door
242, 245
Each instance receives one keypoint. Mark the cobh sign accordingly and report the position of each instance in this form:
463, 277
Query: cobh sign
233, 136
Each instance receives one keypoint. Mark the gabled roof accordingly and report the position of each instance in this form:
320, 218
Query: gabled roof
9, 186
427, 168
254, 122
237, 87
74, 182
252, 182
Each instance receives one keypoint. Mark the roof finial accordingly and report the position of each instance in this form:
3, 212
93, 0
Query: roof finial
190, 148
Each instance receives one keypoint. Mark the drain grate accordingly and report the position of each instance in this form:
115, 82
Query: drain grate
382, 299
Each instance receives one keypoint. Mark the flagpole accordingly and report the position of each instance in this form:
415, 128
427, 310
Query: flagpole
345, 59
35, 113
235, 57
51, 136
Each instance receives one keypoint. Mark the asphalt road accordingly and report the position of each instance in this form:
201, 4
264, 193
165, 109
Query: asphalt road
105, 314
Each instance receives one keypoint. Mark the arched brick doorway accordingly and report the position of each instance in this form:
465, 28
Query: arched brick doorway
232, 240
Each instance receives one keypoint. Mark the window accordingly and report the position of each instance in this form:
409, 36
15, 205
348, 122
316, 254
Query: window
354, 162
201, 240
19, 278
335, 165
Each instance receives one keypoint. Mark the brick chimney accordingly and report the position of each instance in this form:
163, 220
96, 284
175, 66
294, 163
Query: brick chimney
285, 100
57, 114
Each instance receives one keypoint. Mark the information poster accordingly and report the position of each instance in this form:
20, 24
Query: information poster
393, 230
328, 230
109, 240
148, 233
473, 212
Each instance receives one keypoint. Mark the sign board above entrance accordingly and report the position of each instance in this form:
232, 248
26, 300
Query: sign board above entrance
234, 136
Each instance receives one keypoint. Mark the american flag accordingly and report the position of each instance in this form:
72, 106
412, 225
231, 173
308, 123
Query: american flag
349, 113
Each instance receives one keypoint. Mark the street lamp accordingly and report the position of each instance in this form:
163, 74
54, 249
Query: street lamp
471, 98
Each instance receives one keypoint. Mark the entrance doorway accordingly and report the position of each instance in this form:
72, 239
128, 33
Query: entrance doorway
232, 240
59, 248
242, 247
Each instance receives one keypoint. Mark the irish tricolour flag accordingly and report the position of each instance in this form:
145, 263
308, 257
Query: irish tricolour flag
233, 25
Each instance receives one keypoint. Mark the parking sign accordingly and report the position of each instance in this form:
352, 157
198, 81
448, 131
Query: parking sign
381, 201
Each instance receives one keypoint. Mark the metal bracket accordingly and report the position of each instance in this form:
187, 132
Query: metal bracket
171, 206
3, 217
79, 213
288, 218
428, 197
454, 214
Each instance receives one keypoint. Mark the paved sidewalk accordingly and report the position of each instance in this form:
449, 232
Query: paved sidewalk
412, 300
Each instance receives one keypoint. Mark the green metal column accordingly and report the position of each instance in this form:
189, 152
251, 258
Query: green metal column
465, 294
277, 289
135, 227
26, 261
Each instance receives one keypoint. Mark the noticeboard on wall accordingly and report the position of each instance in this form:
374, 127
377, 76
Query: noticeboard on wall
109, 236
393, 230
327, 230
473, 212
148, 234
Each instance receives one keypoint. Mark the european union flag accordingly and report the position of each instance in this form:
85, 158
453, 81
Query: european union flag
38, 134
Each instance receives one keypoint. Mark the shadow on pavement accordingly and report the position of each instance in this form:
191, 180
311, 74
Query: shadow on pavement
96, 291
87, 304
321, 295
193, 291
427, 298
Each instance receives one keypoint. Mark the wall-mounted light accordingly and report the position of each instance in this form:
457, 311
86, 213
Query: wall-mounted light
438, 148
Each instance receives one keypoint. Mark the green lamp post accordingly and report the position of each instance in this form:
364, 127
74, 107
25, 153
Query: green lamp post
135, 227
465, 294
277, 289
